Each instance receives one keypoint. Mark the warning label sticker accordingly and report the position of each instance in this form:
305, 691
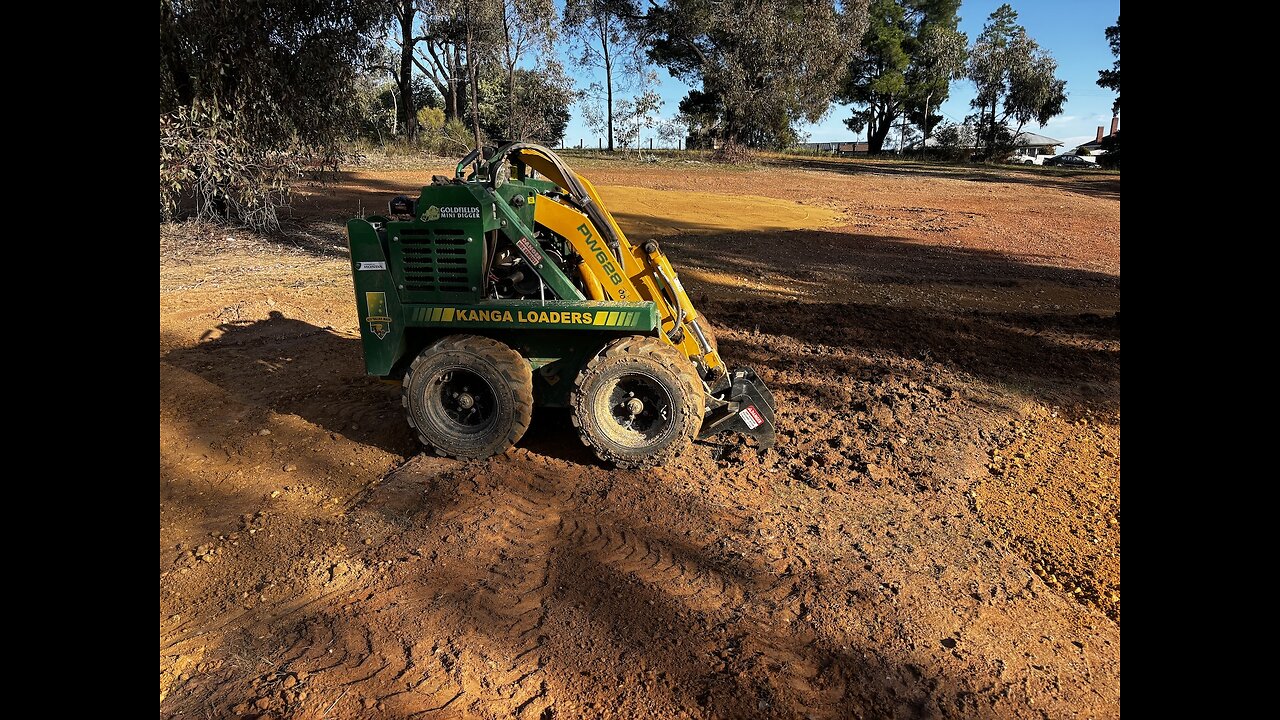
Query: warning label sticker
752, 417
530, 251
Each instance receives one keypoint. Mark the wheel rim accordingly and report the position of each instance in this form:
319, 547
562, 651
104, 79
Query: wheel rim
638, 410
462, 401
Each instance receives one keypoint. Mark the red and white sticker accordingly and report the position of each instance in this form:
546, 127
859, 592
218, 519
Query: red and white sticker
530, 252
752, 417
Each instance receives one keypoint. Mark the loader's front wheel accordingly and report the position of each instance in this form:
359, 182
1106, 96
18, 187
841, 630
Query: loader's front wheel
469, 396
639, 402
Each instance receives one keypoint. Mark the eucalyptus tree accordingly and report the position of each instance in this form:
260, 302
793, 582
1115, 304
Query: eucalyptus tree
1015, 78
758, 66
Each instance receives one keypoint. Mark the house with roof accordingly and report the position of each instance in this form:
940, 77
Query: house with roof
1025, 143
835, 148
1035, 145
1094, 146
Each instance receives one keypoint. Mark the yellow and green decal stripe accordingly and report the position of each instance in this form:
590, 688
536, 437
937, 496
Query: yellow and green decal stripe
578, 317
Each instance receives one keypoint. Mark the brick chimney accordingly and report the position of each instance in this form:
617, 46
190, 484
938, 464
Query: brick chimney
1099, 138
1115, 124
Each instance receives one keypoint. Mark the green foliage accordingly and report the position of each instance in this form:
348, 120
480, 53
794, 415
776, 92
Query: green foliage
702, 113
376, 108
628, 117
938, 59
431, 119
378, 105
1110, 79
204, 156
673, 131
909, 54
877, 74
531, 95
762, 65
1014, 78
599, 27
456, 137
251, 89
442, 59
637, 114
954, 141
541, 103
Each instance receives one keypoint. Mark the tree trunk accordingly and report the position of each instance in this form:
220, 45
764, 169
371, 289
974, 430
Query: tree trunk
991, 134
511, 103
455, 64
511, 58
925, 128
879, 130
395, 114
608, 80
471, 74
408, 114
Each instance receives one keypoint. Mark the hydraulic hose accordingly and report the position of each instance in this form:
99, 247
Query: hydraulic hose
577, 194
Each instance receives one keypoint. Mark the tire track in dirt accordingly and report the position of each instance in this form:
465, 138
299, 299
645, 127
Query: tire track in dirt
477, 613
510, 602
481, 610
707, 587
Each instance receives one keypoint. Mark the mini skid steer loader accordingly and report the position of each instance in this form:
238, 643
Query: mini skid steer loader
510, 285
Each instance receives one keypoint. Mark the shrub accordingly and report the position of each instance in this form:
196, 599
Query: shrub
733, 153
204, 159
456, 138
430, 120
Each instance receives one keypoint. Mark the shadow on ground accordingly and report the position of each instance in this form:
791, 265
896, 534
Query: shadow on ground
1084, 182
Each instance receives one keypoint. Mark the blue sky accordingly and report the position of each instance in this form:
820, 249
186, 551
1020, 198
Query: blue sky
1072, 31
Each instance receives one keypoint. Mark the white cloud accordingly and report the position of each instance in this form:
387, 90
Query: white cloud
1061, 120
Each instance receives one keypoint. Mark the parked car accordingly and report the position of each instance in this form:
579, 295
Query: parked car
1069, 161
1025, 159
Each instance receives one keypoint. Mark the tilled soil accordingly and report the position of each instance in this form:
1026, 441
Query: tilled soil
935, 535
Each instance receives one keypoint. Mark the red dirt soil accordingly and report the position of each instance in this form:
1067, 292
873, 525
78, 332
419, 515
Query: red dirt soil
936, 534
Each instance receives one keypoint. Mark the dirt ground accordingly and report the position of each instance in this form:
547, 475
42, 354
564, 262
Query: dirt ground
936, 534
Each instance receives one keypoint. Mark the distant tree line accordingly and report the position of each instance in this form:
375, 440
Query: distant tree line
254, 92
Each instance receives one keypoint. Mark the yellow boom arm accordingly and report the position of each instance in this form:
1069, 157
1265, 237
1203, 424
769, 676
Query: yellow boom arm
619, 270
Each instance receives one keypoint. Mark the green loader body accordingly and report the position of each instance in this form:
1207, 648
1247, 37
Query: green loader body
417, 280
498, 290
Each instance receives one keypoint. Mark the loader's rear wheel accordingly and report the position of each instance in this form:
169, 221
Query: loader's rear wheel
469, 396
639, 402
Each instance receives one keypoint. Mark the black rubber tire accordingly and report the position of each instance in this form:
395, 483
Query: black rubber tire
663, 371
507, 392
